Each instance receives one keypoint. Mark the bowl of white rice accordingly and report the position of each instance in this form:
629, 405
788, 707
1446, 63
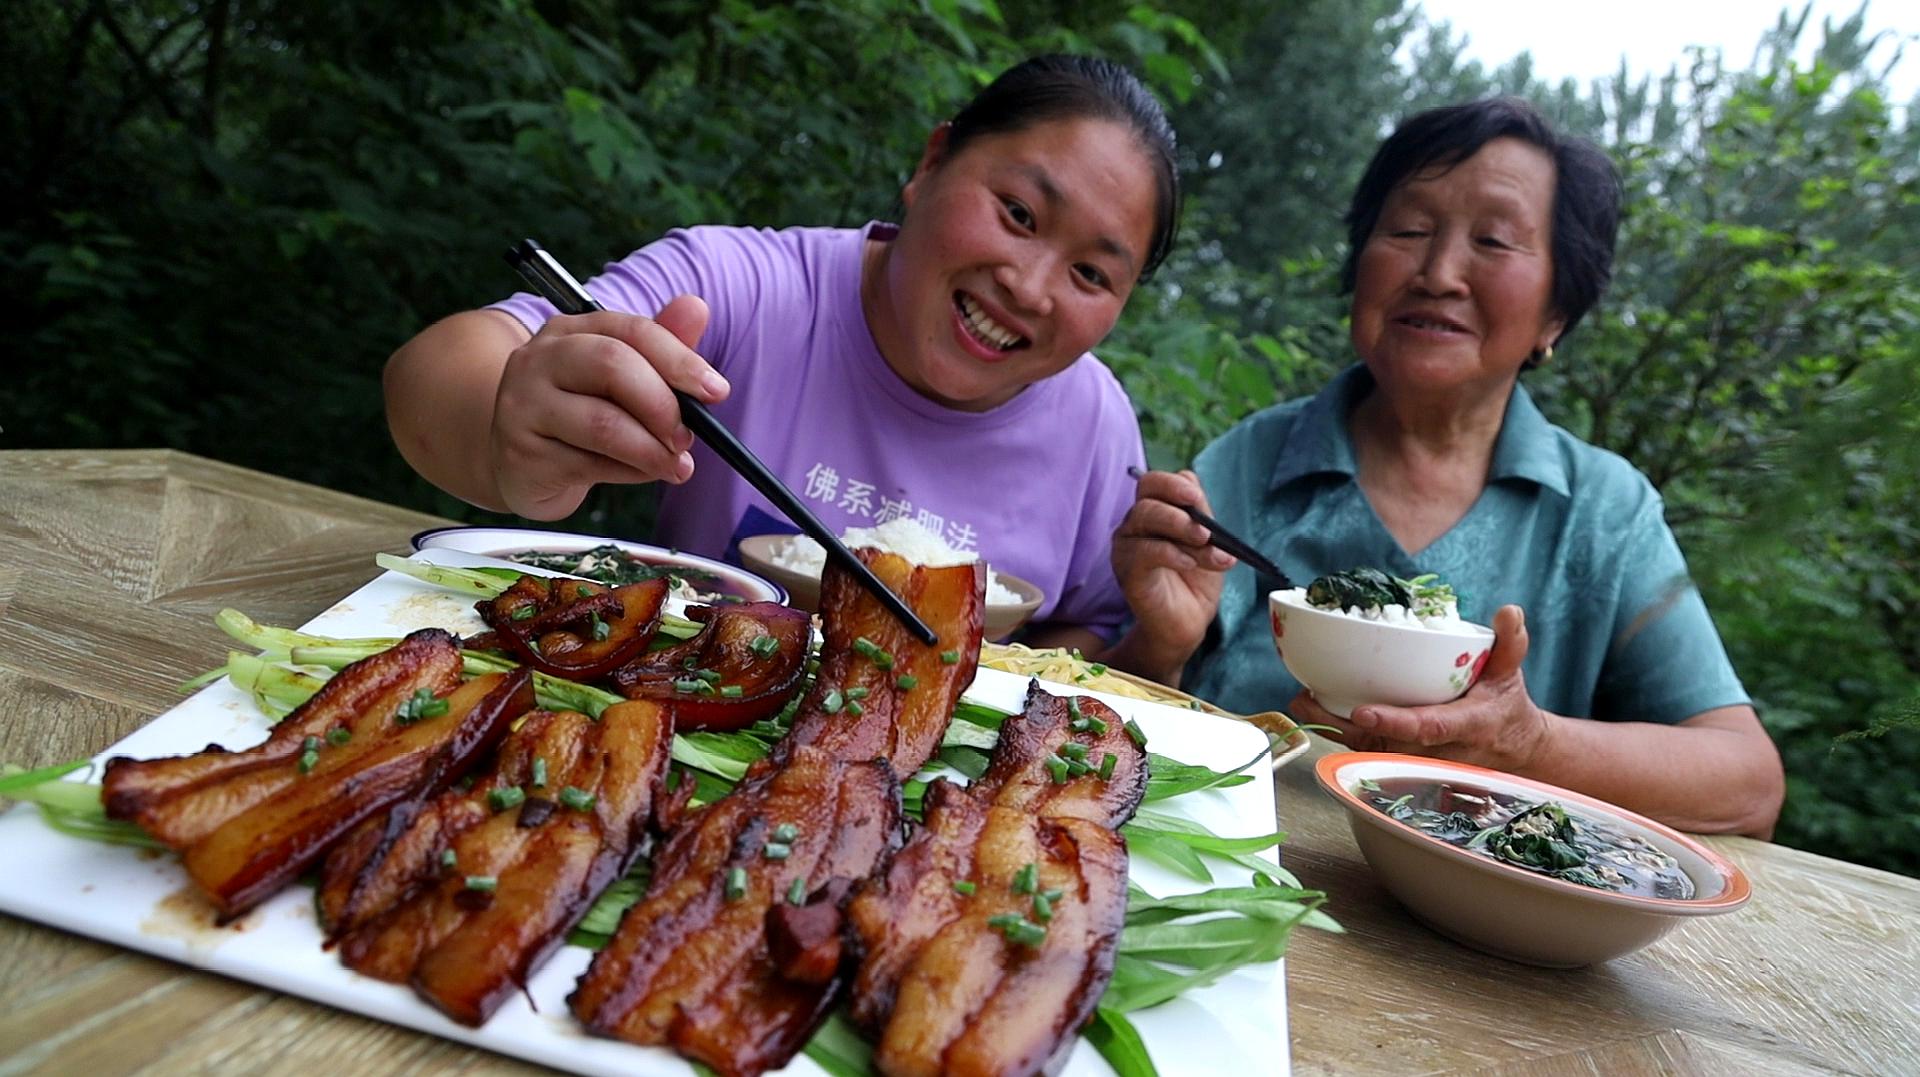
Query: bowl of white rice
796, 561
1386, 653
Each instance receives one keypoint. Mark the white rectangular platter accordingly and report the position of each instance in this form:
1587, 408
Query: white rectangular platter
144, 901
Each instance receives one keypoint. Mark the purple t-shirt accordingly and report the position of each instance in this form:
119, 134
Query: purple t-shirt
1036, 486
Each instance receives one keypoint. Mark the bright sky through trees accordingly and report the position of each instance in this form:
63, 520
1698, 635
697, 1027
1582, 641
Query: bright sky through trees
1585, 41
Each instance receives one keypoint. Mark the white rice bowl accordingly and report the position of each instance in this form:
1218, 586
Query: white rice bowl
907, 538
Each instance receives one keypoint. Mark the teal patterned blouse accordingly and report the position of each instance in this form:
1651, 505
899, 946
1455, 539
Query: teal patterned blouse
1570, 532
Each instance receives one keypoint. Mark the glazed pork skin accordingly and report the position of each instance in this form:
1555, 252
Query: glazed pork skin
571, 628
725, 648
901, 725
247, 823
401, 912
691, 965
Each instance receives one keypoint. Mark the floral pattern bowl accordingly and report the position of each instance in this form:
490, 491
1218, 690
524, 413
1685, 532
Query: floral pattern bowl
1347, 660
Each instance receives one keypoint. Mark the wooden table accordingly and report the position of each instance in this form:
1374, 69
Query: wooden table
112, 565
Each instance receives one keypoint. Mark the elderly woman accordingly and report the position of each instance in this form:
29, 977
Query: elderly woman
1479, 239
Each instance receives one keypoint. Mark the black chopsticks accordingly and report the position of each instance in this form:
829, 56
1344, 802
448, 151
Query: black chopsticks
559, 287
1226, 540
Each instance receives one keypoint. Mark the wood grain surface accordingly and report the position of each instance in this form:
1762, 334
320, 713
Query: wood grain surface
112, 565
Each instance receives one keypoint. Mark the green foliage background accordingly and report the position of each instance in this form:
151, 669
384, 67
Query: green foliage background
220, 217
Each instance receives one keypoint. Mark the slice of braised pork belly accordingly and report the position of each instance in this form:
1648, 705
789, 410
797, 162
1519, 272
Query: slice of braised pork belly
571, 628
881, 693
393, 727
1051, 761
465, 895
743, 666
989, 940
692, 965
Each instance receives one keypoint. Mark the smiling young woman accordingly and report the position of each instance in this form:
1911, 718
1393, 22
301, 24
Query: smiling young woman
1017, 253
923, 369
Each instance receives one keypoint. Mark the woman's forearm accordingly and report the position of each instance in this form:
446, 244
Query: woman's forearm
1717, 772
440, 388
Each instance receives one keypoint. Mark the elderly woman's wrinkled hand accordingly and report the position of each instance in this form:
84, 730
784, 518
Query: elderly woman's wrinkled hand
1164, 564
1495, 724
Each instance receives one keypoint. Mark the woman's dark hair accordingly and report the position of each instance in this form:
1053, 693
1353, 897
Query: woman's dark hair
1586, 196
1057, 87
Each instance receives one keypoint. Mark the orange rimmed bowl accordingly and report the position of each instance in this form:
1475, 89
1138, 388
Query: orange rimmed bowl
1510, 911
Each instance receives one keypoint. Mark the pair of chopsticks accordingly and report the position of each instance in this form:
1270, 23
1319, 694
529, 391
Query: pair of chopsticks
559, 287
1224, 539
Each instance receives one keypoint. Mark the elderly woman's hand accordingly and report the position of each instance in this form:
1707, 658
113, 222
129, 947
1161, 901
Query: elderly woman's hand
1495, 724
1171, 577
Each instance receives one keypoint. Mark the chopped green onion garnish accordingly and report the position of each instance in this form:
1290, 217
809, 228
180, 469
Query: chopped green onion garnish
833, 702
873, 652
786, 832
1018, 929
421, 705
308, 760
482, 882
732, 691
1073, 708
1027, 879
736, 884
775, 850
1053, 895
855, 708
1042, 908
601, 629
310, 744
797, 893
339, 735
764, 646
906, 682
1096, 725
448, 857
857, 692
1133, 730
964, 887
711, 676
1057, 768
1073, 749
577, 799
1097, 669
1106, 767
692, 686
1077, 767
539, 771
1026, 933
523, 612
507, 796
950, 658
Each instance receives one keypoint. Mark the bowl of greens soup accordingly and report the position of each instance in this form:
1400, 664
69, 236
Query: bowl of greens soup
1523, 869
608, 560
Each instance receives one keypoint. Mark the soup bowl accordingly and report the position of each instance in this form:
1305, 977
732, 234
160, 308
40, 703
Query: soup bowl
717, 579
1511, 911
1348, 661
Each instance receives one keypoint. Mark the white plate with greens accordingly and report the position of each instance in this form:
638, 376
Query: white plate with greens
143, 901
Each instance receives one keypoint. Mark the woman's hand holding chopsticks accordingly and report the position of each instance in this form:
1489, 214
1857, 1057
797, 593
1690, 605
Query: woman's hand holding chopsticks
1166, 565
589, 399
